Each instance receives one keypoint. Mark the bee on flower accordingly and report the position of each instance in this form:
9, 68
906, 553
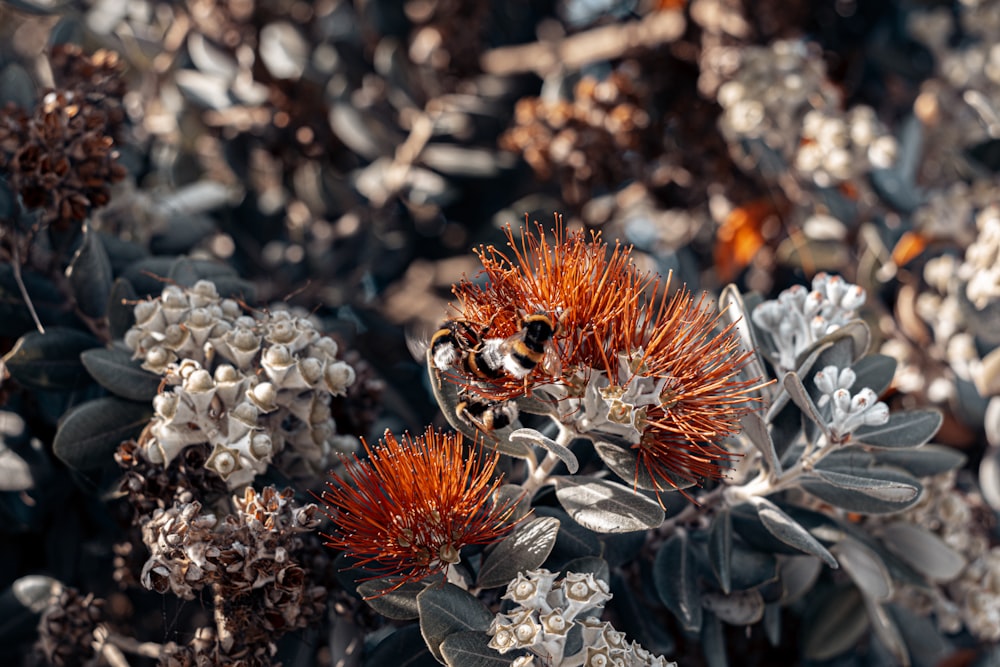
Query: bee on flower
650, 373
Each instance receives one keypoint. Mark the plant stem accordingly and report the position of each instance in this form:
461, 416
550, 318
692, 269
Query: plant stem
540, 475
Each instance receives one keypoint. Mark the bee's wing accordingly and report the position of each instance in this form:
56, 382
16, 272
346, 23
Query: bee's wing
418, 342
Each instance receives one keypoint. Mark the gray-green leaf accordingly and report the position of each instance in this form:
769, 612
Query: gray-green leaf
904, 429
447, 609
791, 532
115, 370
89, 435
676, 581
526, 548
607, 507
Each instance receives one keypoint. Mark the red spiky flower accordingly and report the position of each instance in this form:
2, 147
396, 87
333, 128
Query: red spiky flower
414, 504
653, 370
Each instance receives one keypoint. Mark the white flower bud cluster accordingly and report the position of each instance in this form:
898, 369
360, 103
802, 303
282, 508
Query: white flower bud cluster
614, 409
799, 317
767, 96
836, 147
547, 610
248, 386
780, 95
972, 599
847, 412
981, 270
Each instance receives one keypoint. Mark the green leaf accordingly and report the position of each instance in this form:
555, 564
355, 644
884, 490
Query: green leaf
923, 551
904, 429
751, 568
835, 625
447, 609
50, 360
607, 507
89, 434
89, 275
713, 641
526, 548
17, 86
400, 604
115, 370
798, 576
720, 548
757, 432
471, 649
121, 308
881, 490
800, 396
530, 436
875, 372
927, 461
887, 632
573, 540
676, 581
791, 532
737, 608
624, 463
865, 568
403, 648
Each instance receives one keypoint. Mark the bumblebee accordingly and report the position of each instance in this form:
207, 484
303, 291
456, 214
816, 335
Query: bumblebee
457, 343
487, 415
528, 347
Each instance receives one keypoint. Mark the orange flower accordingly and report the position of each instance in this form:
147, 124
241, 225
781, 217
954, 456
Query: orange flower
574, 280
650, 371
414, 504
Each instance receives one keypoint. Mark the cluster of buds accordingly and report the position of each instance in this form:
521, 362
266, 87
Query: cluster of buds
656, 378
847, 411
60, 157
246, 559
547, 611
66, 628
836, 147
780, 94
799, 317
250, 386
585, 142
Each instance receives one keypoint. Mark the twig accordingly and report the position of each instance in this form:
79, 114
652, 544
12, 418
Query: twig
604, 43
16, 266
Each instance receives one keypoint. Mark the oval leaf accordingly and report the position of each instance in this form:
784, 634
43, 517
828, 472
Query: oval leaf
927, 461
865, 567
904, 429
89, 275
756, 430
399, 604
875, 372
607, 507
835, 625
115, 370
623, 462
883, 491
720, 548
791, 532
923, 550
471, 649
800, 396
50, 360
676, 581
526, 548
89, 435
739, 608
448, 609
